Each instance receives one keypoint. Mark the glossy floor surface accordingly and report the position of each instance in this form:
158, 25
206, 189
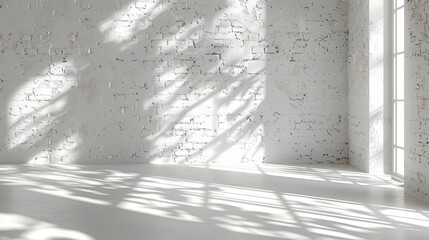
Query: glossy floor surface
204, 202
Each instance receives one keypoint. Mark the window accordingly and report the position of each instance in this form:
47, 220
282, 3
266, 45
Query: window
398, 88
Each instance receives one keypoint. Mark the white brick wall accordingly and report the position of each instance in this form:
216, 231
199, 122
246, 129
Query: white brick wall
416, 100
173, 81
358, 77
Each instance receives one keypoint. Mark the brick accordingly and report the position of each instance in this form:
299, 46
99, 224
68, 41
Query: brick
155, 81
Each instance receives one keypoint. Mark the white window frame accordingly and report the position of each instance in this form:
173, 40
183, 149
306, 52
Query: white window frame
398, 93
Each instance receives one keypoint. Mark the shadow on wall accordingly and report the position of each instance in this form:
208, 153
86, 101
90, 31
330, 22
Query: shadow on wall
164, 81
127, 82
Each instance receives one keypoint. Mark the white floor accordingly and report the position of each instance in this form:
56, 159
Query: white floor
182, 202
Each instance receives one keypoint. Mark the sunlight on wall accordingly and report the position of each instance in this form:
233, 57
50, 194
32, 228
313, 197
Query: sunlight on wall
201, 100
192, 31
376, 88
65, 151
25, 228
174, 81
218, 120
37, 107
136, 16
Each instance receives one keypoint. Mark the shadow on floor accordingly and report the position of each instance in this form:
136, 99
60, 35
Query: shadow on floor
211, 202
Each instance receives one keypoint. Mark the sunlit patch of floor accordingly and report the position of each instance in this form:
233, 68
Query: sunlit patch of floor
204, 202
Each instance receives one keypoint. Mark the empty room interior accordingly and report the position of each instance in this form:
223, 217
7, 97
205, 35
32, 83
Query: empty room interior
214, 119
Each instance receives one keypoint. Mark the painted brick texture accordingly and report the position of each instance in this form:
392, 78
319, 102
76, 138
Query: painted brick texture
366, 103
417, 100
358, 84
178, 81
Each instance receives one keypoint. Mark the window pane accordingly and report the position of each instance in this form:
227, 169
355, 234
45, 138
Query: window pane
394, 159
400, 124
398, 87
400, 77
395, 122
400, 30
394, 32
394, 76
400, 161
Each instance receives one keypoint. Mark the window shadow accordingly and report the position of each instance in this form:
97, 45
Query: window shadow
134, 81
158, 199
